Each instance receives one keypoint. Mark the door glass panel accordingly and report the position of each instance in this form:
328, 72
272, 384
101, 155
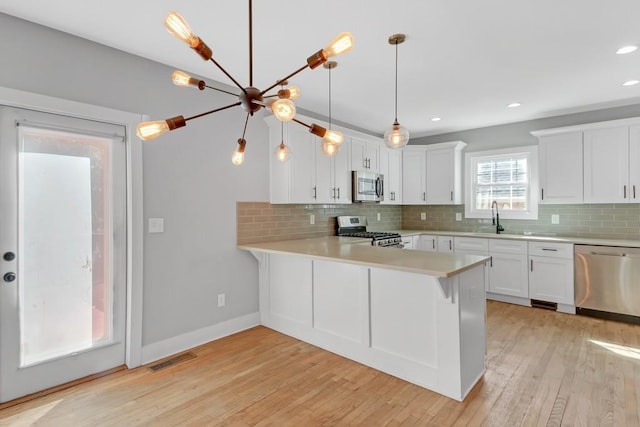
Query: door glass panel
65, 288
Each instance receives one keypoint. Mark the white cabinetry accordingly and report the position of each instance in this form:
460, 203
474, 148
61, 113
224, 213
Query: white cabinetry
427, 243
509, 273
408, 242
560, 160
365, 154
432, 174
591, 163
391, 169
606, 165
308, 176
445, 244
551, 274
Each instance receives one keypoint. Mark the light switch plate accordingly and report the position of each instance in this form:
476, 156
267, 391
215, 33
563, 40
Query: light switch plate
156, 225
423, 216
378, 216
555, 219
312, 219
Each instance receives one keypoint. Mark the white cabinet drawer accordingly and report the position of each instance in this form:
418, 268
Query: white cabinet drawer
471, 244
507, 246
556, 250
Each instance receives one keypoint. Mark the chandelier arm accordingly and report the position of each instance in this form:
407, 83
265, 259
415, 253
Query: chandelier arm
212, 111
244, 131
301, 123
228, 75
220, 90
279, 82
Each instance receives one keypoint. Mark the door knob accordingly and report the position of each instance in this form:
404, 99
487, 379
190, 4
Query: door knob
9, 256
9, 277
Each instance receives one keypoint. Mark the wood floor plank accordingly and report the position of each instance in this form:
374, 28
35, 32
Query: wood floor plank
543, 369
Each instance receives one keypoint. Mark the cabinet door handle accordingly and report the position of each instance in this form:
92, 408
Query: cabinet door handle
424, 196
490, 261
450, 248
625, 191
334, 193
338, 193
315, 192
634, 191
542, 194
433, 241
452, 196
531, 261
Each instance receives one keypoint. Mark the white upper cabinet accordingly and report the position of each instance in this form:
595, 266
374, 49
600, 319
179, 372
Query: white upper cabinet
391, 169
560, 163
591, 163
432, 174
365, 154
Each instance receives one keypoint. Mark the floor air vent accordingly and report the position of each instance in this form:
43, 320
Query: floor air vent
173, 361
544, 304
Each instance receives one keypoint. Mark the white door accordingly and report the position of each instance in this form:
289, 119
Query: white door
606, 165
413, 177
561, 164
439, 174
63, 248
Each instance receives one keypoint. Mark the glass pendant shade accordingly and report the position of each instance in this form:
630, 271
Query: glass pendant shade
149, 130
397, 136
341, 44
334, 137
329, 148
282, 152
179, 28
284, 109
238, 155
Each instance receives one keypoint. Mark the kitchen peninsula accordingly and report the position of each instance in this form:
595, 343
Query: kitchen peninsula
416, 315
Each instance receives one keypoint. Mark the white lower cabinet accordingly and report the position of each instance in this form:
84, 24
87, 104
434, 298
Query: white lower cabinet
445, 244
551, 274
408, 242
427, 242
507, 275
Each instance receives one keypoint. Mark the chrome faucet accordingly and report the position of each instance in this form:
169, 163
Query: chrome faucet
495, 219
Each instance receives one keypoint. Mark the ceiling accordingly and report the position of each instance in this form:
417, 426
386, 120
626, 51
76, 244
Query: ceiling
463, 60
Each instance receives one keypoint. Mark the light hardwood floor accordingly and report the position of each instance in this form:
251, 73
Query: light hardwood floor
543, 368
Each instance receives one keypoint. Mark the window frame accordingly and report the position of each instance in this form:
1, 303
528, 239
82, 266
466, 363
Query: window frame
471, 160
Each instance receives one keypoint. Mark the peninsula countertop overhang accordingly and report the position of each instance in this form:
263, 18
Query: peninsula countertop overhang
346, 249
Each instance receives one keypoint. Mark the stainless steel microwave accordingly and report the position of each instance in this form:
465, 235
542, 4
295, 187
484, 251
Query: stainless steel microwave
367, 186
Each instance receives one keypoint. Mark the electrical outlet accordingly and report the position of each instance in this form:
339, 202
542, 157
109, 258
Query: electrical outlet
555, 219
156, 225
312, 219
423, 216
221, 300
458, 216
378, 216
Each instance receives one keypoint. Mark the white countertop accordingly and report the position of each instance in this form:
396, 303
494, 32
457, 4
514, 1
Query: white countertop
528, 238
344, 249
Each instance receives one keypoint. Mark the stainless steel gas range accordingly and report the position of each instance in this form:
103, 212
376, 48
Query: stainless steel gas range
356, 226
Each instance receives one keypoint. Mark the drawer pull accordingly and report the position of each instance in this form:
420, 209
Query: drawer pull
550, 249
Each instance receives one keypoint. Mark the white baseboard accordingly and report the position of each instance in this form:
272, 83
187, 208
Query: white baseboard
177, 344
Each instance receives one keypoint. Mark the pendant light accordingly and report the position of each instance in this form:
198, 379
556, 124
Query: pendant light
250, 98
283, 153
397, 136
331, 143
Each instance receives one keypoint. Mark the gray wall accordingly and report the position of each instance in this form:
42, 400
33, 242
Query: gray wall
188, 176
519, 134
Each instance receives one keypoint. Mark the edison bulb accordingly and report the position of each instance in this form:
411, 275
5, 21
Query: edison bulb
341, 44
282, 152
177, 26
334, 137
397, 136
329, 148
180, 78
238, 157
284, 109
149, 130
294, 92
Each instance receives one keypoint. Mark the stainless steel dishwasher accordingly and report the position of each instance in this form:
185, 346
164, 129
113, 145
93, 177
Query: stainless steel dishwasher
607, 282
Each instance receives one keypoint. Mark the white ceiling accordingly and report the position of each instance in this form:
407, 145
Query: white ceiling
463, 60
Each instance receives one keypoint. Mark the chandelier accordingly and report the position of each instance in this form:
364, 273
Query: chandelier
251, 99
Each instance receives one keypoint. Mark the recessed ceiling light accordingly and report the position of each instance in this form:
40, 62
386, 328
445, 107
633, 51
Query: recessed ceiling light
513, 105
631, 83
436, 119
626, 49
